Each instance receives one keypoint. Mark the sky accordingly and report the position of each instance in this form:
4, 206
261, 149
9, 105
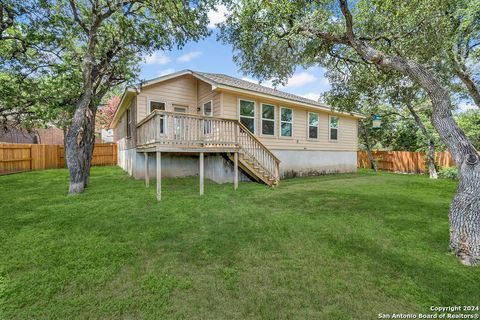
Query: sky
210, 55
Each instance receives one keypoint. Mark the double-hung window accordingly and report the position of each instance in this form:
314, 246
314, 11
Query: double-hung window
208, 112
286, 122
159, 105
268, 119
207, 109
333, 128
312, 125
247, 114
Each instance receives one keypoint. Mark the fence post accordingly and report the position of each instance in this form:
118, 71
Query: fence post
31, 157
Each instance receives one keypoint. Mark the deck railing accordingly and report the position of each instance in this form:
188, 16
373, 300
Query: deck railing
172, 129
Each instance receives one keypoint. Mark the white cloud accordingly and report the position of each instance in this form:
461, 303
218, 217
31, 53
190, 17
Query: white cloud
157, 58
464, 106
189, 56
267, 83
165, 72
217, 16
300, 79
311, 95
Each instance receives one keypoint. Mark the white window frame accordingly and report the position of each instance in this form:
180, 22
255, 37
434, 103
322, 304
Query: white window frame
330, 128
254, 113
162, 117
185, 109
308, 125
280, 123
211, 110
154, 100
262, 118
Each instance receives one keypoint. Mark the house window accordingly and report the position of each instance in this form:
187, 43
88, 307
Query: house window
180, 109
129, 122
333, 128
207, 109
312, 125
268, 119
286, 122
157, 105
247, 114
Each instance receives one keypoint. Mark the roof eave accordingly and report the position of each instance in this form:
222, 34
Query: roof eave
290, 101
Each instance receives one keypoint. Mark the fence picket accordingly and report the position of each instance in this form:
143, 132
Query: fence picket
28, 157
403, 161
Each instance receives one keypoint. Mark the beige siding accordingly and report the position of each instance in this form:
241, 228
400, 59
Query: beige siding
206, 94
181, 91
347, 133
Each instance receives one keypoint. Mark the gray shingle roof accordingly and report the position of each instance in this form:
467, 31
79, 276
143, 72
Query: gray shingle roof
226, 80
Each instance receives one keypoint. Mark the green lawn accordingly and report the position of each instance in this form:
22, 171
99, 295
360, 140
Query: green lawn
332, 247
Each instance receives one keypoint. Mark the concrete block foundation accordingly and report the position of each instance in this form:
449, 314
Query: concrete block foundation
294, 163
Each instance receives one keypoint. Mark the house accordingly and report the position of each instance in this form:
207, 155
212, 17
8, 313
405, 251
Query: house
207, 124
106, 135
13, 134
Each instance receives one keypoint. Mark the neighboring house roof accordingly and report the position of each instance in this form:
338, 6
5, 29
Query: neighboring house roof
12, 134
223, 81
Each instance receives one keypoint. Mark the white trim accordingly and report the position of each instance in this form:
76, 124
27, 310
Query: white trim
329, 128
262, 118
211, 108
308, 126
289, 101
221, 104
149, 107
280, 123
254, 112
180, 107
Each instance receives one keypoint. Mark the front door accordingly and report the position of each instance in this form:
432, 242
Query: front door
179, 122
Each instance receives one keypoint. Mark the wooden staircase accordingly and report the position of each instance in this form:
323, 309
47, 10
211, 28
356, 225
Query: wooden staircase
255, 159
253, 170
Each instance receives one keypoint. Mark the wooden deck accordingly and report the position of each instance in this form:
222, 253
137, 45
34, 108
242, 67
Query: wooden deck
163, 131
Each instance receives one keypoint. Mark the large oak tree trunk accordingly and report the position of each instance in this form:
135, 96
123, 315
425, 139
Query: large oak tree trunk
75, 145
432, 170
373, 165
431, 144
464, 215
89, 138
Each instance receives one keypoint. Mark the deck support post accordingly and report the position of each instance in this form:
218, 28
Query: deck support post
201, 172
235, 170
159, 175
147, 178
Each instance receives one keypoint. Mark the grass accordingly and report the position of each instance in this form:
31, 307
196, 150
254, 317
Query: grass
332, 247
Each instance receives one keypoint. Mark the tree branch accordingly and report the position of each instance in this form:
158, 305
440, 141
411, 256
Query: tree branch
77, 17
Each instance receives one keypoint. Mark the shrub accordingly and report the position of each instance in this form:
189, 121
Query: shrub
449, 173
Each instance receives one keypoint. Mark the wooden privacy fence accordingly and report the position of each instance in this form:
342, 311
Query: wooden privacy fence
27, 157
403, 161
